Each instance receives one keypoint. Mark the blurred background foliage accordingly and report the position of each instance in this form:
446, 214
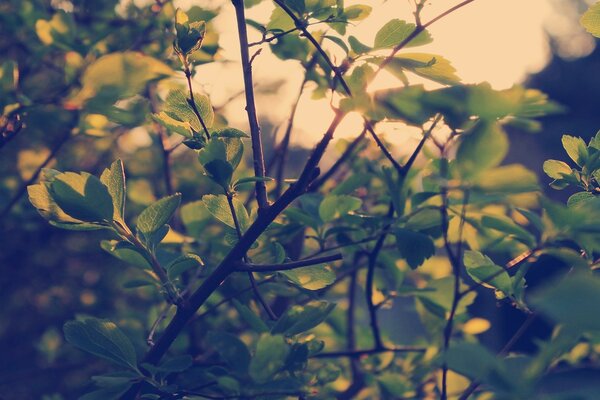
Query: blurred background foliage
50, 275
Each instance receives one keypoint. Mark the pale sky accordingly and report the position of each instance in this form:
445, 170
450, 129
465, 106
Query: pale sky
499, 41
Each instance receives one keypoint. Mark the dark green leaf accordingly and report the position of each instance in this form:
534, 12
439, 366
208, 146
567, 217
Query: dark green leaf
298, 319
157, 214
482, 148
396, 31
415, 247
231, 349
271, 354
82, 196
573, 301
103, 339
114, 179
482, 269
314, 277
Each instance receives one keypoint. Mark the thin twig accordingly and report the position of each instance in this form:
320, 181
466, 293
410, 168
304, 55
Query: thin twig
316, 185
23, 188
358, 380
455, 261
289, 265
507, 347
229, 262
361, 353
375, 331
257, 148
192, 101
161, 317
238, 230
302, 26
415, 153
382, 147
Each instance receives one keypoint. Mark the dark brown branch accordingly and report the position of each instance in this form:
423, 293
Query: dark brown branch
257, 149
316, 185
358, 380
255, 289
383, 149
361, 353
229, 263
289, 265
456, 267
413, 157
376, 332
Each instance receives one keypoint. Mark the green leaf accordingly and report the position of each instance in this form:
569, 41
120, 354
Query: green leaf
103, 339
252, 179
114, 179
580, 198
82, 196
415, 247
430, 66
280, 21
314, 277
183, 263
270, 357
396, 31
228, 133
41, 198
357, 12
572, 301
590, 20
471, 360
336, 206
338, 41
507, 179
576, 149
220, 172
189, 34
298, 319
157, 214
231, 349
481, 268
250, 317
508, 226
218, 206
178, 113
176, 364
357, 46
117, 76
227, 150
556, 169
481, 149
126, 252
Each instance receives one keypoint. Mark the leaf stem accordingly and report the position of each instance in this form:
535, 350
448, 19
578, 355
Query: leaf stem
191, 100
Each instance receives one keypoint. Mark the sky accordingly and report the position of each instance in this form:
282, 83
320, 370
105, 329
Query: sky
498, 41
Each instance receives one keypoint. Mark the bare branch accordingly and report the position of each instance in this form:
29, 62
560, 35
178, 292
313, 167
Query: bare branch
289, 265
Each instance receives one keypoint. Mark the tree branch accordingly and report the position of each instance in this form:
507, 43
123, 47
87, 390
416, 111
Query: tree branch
378, 343
231, 260
289, 265
257, 149
361, 353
